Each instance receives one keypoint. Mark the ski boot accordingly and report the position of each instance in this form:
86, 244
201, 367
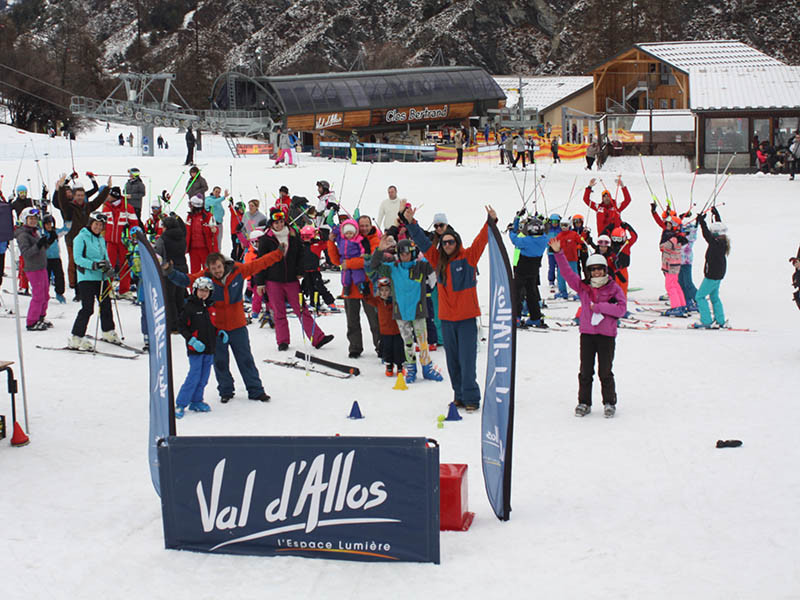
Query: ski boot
61, 299
179, 412
199, 407
390, 370
225, 398
538, 323
664, 298
111, 337
678, 311
38, 326
582, 410
74, 342
699, 325
411, 372
609, 410
332, 308
429, 372
47, 324
691, 305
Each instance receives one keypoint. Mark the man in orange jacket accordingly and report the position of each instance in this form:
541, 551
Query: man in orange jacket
227, 314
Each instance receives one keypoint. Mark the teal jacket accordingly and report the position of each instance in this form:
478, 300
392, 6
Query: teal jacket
214, 205
409, 291
88, 248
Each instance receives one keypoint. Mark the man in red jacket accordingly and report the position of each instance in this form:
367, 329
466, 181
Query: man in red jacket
607, 211
120, 217
201, 233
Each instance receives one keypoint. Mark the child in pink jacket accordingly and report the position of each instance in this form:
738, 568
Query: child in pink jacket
602, 304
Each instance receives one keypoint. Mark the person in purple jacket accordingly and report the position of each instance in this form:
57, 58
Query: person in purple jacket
602, 304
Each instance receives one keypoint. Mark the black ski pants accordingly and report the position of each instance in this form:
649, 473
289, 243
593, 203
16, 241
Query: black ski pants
312, 282
602, 346
530, 287
55, 270
352, 309
88, 291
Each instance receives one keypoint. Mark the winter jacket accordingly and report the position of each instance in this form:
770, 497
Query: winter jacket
353, 264
409, 289
121, 218
458, 297
53, 251
79, 213
153, 228
194, 320
171, 245
570, 243
87, 249
213, 204
607, 213
290, 265
716, 254
237, 219
671, 253
608, 300
352, 248
311, 255
387, 325
519, 144
387, 212
134, 192
252, 220
20, 204
690, 231
227, 312
28, 241
531, 248
190, 139
197, 188
198, 232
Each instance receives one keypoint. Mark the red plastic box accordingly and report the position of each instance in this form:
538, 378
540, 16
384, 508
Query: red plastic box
453, 513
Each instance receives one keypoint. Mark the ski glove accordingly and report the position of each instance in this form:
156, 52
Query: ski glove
223, 335
196, 345
43, 241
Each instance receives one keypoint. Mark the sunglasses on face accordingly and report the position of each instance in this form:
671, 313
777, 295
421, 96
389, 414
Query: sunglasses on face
439, 225
596, 268
448, 242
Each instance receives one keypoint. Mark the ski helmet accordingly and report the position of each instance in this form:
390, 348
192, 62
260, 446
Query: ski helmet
384, 282
675, 220
406, 246
324, 184
555, 217
241, 206
197, 201
28, 212
534, 227
596, 260
566, 223
718, 228
255, 234
49, 219
605, 194
115, 192
618, 234
577, 218
603, 240
21, 189
98, 216
203, 283
133, 172
307, 233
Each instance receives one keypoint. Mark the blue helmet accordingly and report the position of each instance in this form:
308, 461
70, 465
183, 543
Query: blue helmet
555, 217
21, 189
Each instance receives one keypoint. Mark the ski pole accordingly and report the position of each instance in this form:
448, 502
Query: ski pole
650, 189
186, 191
364, 187
100, 308
691, 189
176, 184
16, 179
664, 179
116, 309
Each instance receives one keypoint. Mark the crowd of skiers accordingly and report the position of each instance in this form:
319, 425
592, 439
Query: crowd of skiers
417, 288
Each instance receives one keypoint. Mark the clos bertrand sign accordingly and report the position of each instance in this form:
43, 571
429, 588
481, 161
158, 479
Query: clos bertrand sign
426, 113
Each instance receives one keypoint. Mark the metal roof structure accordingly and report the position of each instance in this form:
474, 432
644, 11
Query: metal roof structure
542, 93
363, 90
721, 53
745, 88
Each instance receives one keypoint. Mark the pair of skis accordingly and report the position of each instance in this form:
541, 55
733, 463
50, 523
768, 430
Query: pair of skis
302, 360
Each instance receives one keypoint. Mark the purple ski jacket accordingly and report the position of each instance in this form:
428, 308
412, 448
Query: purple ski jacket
611, 311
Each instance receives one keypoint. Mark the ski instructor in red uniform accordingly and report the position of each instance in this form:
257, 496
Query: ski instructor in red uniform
607, 211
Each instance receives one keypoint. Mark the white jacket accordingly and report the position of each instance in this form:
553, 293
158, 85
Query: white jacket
388, 211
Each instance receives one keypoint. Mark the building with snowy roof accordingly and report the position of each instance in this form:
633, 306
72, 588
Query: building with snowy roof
739, 95
560, 101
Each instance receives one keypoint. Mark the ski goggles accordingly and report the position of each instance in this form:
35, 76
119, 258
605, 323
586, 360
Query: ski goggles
278, 216
203, 283
384, 282
604, 243
33, 212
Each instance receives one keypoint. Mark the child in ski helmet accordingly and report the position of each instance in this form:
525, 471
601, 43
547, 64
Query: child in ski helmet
716, 263
531, 247
195, 325
570, 244
602, 304
313, 286
671, 250
392, 350
33, 249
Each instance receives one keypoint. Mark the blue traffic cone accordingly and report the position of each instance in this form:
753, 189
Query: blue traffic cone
355, 411
452, 413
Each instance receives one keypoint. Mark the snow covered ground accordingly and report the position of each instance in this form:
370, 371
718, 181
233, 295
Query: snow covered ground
641, 506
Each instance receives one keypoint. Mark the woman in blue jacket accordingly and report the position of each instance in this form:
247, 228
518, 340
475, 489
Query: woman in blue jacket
94, 278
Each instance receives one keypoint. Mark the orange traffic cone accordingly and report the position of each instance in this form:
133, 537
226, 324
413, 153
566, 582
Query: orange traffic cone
19, 438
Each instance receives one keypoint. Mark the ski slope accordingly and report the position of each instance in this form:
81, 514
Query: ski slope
641, 506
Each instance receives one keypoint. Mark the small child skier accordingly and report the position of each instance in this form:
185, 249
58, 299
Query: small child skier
672, 243
392, 351
716, 235
408, 274
194, 324
54, 268
312, 283
33, 250
349, 243
532, 246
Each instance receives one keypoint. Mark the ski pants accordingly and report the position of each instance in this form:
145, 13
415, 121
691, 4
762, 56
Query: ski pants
676, 297
3, 246
352, 309
686, 283
562, 283
710, 289
88, 291
256, 300
284, 152
459, 156
312, 283
189, 155
22, 277
279, 294
117, 255
408, 329
461, 350
196, 379
55, 270
353, 155
528, 285
551, 268
430, 323
239, 343
520, 154
392, 350
602, 346
72, 272
197, 259
219, 236
40, 294
435, 312
621, 277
